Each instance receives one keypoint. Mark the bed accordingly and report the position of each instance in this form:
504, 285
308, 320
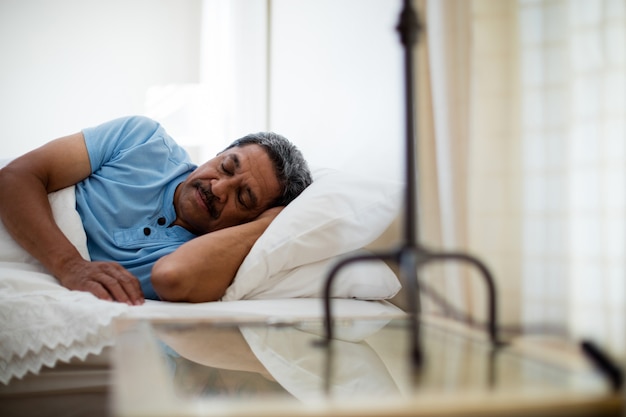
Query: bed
55, 343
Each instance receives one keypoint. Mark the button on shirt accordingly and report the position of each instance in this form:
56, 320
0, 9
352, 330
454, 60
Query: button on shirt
127, 203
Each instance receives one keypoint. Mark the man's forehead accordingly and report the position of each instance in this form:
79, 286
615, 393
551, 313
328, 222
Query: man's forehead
232, 156
243, 150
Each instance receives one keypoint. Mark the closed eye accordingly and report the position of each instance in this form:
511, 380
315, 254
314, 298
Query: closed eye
229, 165
241, 200
247, 199
227, 169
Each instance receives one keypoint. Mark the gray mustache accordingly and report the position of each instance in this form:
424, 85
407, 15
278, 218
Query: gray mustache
210, 201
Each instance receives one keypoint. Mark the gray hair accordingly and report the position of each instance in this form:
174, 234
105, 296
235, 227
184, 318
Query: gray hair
291, 168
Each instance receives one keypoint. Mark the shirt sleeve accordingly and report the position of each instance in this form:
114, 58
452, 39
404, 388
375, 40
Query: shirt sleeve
104, 142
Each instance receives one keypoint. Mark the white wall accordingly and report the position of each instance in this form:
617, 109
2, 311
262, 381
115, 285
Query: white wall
337, 82
335, 75
68, 64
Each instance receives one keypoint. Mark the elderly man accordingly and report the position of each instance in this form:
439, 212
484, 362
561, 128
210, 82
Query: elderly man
157, 226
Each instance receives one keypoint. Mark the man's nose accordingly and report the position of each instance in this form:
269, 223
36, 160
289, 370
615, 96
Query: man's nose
220, 188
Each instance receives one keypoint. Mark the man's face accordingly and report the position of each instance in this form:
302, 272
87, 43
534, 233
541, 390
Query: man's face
232, 188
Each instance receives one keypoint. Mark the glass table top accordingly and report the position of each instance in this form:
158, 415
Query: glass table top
209, 367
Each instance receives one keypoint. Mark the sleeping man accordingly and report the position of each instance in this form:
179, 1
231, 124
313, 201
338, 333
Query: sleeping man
157, 226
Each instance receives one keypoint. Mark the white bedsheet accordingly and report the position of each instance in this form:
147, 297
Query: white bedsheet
42, 322
283, 309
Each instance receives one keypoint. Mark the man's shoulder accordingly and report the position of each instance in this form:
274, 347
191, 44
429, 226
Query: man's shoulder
137, 122
124, 130
139, 119
116, 138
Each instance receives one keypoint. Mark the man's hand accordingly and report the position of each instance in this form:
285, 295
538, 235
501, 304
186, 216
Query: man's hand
106, 280
270, 214
26, 214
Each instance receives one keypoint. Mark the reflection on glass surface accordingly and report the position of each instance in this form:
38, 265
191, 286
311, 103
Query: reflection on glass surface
369, 359
213, 362
193, 379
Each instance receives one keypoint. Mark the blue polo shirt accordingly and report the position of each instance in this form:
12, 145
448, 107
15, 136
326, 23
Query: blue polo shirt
127, 203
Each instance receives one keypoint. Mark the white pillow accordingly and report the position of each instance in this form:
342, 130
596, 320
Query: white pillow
337, 214
363, 280
63, 204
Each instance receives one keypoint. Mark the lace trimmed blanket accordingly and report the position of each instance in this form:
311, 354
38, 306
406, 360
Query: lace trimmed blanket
42, 323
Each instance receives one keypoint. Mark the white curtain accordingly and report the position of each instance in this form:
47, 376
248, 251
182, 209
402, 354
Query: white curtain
523, 136
573, 76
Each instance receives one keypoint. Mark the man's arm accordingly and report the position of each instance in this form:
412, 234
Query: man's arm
203, 268
221, 348
27, 216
